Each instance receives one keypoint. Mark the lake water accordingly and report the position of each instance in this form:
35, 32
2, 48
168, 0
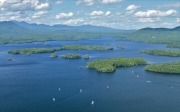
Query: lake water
29, 83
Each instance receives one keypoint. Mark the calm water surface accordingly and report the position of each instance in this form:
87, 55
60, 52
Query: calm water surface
29, 83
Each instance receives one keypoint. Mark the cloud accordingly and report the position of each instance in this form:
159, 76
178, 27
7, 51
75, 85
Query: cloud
23, 5
40, 14
172, 5
146, 20
178, 20
15, 15
64, 15
109, 1
96, 13
74, 21
59, 2
132, 7
155, 13
166, 23
42, 6
85, 2
108, 13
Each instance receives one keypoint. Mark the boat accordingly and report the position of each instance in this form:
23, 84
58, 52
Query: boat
92, 102
54, 99
59, 89
80, 90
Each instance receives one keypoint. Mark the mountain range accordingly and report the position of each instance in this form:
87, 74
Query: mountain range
85, 28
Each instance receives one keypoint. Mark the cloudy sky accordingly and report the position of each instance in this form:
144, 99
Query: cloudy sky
121, 14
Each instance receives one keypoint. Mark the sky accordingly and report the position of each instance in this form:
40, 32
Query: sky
119, 14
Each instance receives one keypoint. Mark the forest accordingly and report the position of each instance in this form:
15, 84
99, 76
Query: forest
29, 37
121, 47
173, 53
86, 56
155, 35
173, 45
164, 68
53, 55
84, 47
29, 51
70, 56
110, 65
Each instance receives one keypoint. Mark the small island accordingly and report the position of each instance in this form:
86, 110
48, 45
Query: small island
86, 56
173, 45
10, 59
121, 47
84, 47
47, 44
172, 53
30, 51
110, 65
164, 68
71, 56
53, 55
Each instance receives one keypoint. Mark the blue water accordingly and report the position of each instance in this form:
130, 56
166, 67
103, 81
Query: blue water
29, 83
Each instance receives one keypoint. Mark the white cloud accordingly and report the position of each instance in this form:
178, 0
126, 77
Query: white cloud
64, 15
40, 14
42, 6
59, 2
15, 15
132, 7
96, 13
109, 1
74, 21
166, 23
21, 5
178, 19
173, 5
155, 13
12, 1
144, 20
108, 13
85, 2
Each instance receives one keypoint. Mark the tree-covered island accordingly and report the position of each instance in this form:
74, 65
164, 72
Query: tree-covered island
84, 47
29, 51
70, 56
86, 56
172, 53
121, 47
164, 68
53, 55
173, 45
110, 65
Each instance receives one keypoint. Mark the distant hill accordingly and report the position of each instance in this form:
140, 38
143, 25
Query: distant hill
12, 27
156, 35
161, 29
86, 28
